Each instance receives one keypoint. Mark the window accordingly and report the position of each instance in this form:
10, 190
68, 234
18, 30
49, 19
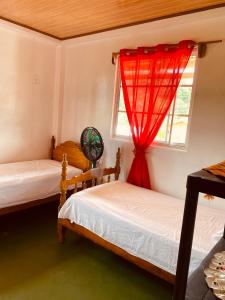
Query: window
174, 129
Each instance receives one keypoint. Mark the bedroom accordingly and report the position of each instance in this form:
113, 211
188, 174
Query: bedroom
51, 87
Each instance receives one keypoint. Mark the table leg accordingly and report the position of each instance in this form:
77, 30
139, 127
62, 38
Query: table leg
186, 239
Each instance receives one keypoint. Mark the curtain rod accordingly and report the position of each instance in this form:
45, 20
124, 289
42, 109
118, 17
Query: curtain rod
202, 46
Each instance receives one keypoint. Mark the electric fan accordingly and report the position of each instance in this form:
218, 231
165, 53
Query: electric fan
92, 144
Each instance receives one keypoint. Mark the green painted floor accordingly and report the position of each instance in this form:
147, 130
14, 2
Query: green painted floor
33, 266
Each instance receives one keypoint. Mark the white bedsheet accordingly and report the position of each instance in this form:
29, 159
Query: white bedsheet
145, 223
22, 182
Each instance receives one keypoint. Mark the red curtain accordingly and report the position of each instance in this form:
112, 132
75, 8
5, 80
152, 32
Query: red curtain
150, 77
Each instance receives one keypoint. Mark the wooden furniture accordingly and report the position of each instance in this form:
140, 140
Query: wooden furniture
74, 154
203, 182
89, 178
63, 224
76, 158
16, 208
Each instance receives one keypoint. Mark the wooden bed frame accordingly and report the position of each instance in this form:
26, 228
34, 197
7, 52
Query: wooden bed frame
92, 178
76, 158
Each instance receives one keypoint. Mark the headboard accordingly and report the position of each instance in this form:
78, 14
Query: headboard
89, 178
75, 156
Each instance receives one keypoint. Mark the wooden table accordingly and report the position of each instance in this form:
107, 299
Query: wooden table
207, 183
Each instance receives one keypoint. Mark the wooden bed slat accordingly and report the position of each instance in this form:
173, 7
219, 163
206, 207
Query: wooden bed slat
16, 208
117, 250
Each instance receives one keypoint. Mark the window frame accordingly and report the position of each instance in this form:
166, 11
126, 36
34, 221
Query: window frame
156, 143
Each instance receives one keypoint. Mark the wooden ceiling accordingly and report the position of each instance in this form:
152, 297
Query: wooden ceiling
65, 19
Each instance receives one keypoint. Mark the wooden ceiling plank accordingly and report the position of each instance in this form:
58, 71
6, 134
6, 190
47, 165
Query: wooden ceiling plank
73, 18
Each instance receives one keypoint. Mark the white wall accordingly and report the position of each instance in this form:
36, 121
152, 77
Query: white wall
49, 87
27, 93
88, 94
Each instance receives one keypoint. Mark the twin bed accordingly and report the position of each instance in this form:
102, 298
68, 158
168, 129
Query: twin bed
28, 183
140, 225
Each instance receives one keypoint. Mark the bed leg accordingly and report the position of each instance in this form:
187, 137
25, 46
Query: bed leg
52, 148
117, 166
61, 233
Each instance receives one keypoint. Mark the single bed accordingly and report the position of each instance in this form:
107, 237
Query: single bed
139, 224
29, 183
144, 223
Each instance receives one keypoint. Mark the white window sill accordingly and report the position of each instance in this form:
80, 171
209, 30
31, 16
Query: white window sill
176, 147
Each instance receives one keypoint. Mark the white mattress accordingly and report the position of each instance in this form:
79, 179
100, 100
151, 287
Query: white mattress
22, 182
145, 223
